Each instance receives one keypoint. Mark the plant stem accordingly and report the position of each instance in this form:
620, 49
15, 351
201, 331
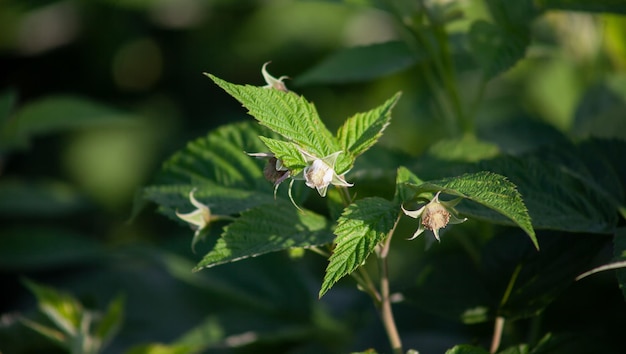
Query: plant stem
499, 325
497, 334
386, 311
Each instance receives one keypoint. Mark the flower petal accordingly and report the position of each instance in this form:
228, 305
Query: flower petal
273, 82
413, 213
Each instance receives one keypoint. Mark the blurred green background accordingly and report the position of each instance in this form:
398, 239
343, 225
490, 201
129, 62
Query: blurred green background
94, 95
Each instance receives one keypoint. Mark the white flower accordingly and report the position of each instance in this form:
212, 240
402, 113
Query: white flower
434, 216
321, 172
198, 219
273, 82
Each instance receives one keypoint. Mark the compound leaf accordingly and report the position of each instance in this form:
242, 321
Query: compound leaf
289, 115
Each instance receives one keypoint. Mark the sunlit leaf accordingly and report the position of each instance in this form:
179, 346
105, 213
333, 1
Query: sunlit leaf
61, 308
487, 189
362, 130
220, 158
287, 152
360, 228
266, 229
289, 115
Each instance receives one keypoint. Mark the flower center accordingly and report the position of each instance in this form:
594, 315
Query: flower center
435, 217
318, 175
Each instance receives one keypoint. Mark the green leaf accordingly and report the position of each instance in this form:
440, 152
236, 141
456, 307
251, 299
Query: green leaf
221, 200
268, 228
287, 152
495, 48
289, 115
610, 6
559, 187
220, 158
111, 322
404, 177
362, 130
466, 349
488, 189
61, 308
358, 64
362, 226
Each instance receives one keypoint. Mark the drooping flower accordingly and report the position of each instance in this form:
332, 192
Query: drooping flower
200, 218
435, 216
273, 82
274, 171
320, 172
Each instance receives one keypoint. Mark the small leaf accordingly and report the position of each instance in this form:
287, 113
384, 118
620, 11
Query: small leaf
111, 321
289, 115
61, 308
358, 64
362, 226
287, 152
404, 177
490, 190
267, 228
362, 130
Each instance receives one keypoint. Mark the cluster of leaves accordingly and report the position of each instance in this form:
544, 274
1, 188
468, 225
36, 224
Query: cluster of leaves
573, 195
266, 225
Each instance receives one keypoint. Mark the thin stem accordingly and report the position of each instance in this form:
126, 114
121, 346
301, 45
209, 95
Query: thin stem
386, 311
499, 325
497, 334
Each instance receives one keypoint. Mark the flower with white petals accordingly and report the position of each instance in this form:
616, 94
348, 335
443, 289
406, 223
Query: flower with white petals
273, 82
200, 218
320, 172
435, 215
